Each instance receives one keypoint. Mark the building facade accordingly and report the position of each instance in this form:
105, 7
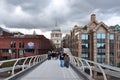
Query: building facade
94, 41
56, 37
19, 45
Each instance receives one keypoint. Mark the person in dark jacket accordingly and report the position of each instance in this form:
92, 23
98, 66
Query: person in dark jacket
61, 60
66, 60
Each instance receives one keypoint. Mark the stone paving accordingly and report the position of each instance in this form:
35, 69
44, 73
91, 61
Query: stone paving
51, 70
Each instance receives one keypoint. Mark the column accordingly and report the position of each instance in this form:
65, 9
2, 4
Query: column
79, 46
94, 47
115, 49
107, 49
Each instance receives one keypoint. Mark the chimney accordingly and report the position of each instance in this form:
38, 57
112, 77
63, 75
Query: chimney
93, 17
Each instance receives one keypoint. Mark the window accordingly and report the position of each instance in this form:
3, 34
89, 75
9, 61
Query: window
101, 49
101, 57
21, 44
21, 52
30, 50
101, 45
85, 55
12, 44
84, 37
111, 45
103, 36
85, 46
111, 37
100, 36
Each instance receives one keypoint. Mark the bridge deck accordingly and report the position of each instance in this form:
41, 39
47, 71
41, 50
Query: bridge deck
50, 70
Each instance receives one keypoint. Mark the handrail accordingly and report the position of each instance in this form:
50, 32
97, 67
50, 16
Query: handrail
91, 65
25, 62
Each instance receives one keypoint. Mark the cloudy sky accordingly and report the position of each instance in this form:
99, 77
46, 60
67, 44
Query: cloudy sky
42, 15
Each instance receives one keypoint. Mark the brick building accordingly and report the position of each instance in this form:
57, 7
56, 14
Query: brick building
94, 41
16, 45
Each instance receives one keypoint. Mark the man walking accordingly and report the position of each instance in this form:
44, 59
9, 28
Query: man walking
66, 60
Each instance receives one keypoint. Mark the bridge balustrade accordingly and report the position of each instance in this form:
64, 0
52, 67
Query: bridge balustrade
20, 64
82, 64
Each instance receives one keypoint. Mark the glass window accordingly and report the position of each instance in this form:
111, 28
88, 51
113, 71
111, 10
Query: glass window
85, 55
86, 37
13, 44
21, 44
101, 45
103, 36
111, 37
21, 52
98, 45
98, 36
83, 36
98, 56
103, 56
30, 50
84, 45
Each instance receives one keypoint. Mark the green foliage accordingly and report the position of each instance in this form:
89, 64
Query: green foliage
119, 64
7, 64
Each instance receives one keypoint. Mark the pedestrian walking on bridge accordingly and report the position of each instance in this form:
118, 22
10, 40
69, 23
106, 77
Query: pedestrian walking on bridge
66, 60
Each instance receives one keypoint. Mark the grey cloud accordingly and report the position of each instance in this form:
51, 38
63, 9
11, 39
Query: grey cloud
30, 6
40, 16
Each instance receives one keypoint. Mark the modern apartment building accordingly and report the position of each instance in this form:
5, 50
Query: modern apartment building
94, 41
56, 37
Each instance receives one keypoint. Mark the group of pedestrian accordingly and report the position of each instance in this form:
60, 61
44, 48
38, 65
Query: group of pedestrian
53, 55
64, 60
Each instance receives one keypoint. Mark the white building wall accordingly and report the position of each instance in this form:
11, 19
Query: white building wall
56, 37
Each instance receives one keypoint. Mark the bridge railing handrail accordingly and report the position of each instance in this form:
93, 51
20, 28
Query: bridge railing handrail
16, 59
90, 64
32, 61
104, 65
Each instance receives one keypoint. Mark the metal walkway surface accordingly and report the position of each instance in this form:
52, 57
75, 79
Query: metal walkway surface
51, 70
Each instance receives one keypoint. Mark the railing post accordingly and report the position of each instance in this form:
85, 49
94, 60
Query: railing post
104, 76
24, 63
37, 59
82, 64
14, 66
89, 68
34, 59
30, 61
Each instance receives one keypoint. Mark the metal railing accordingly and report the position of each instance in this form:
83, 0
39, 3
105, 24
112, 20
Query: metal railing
83, 64
20, 63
